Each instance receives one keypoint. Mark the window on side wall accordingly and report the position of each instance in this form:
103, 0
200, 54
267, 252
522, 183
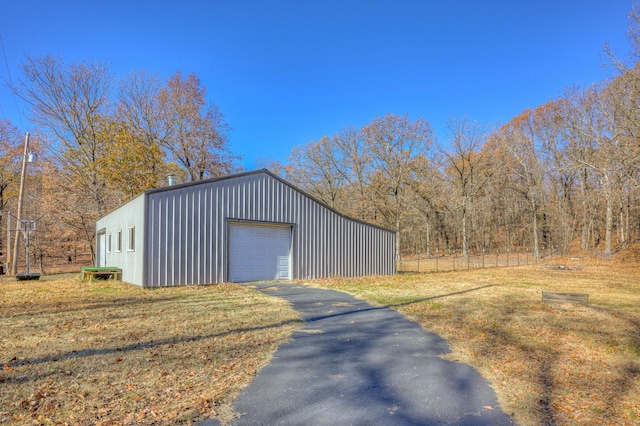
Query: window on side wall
109, 243
118, 241
132, 239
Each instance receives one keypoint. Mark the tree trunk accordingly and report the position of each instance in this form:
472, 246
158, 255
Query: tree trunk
627, 224
42, 271
428, 242
584, 245
534, 230
609, 226
608, 194
621, 230
465, 248
397, 240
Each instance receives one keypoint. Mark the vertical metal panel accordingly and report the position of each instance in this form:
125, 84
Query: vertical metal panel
211, 214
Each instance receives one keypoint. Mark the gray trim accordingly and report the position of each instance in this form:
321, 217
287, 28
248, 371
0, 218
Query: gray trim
259, 222
145, 240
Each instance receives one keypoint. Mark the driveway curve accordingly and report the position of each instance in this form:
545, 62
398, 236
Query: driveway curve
356, 364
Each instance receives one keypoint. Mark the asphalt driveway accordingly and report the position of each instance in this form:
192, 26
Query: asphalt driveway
355, 364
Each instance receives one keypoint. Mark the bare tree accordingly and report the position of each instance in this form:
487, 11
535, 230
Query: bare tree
177, 117
468, 168
399, 147
597, 146
138, 111
560, 194
354, 163
197, 132
314, 167
10, 156
69, 102
623, 94
525, 172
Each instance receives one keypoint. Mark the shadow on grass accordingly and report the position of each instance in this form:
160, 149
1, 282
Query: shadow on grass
441, 296
140, 346
396, 305
551, 361
61, 308
500, 343
630, 372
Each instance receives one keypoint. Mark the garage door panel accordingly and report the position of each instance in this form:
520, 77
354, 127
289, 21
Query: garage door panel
259, 252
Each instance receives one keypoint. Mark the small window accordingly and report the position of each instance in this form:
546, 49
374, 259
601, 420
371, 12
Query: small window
132, 238
109, 243
119, 241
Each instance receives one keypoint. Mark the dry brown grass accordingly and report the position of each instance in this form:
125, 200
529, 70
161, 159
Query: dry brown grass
549, 364
111, 353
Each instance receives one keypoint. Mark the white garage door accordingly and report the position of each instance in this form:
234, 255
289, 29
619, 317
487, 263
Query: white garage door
259, 252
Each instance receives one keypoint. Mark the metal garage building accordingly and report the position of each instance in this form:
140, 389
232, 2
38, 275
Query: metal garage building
245, 227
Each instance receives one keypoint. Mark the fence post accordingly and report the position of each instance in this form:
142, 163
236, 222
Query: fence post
518, 256
497, 257
437, 259
483, 258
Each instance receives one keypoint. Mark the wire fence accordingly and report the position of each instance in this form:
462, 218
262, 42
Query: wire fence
486, 259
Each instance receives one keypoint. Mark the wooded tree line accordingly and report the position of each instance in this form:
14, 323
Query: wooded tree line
102, 141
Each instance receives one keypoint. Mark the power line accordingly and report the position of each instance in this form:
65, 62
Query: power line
15, 99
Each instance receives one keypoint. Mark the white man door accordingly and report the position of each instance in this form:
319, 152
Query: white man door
259, 252
102, 249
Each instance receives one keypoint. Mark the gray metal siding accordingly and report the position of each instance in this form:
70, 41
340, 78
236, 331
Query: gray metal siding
188, 225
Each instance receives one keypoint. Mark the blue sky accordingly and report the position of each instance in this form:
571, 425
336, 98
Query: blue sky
287, 72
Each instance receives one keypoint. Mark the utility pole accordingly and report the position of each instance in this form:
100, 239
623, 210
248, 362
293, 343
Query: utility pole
14, 258
8, 264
